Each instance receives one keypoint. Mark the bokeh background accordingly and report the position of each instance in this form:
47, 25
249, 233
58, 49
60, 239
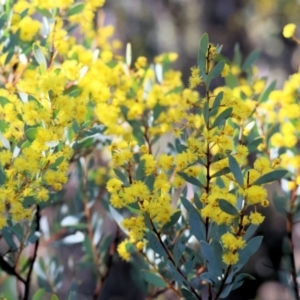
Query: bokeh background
156, 26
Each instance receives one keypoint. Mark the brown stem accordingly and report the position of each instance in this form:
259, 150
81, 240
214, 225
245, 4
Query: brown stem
223, 282
33, 259
170, 258
289, 227
169, 284
111, 254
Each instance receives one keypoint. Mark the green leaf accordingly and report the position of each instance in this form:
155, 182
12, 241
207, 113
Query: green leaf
3, 101
155, 244
228, 208
204, 40
149, 181
74, 92
8, 237
209, 277
174, 219
237, 58
57, 162
179, 248
75, 9
197, 226
176, 275
219, 173
250, 231
140, 172
157, 110
265, 95
215, 72
217, 101
179, 147
39, 56
236, 171
2, 20
224, 115
270, 177
190, 179
44, 12
31, 134
251, 247
54, 297
197, 201
9, 56
38, 294
252, 147
231, 81
202, 63
154, 279
209, 255
122, 177
188, 295
190, 263
251, 58
93, 131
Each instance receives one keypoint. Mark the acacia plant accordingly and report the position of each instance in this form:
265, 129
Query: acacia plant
182, 170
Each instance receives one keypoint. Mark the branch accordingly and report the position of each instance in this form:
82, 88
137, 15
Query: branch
33, 259
172, 260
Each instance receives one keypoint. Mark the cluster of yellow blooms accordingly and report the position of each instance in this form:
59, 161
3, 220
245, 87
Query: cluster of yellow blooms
205, 142
39, 127
46, 108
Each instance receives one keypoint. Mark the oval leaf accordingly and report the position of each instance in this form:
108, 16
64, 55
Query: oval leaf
154, 279
228, 208
270, 177
236, 171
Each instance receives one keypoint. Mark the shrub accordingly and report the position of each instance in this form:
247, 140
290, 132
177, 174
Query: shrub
181, 170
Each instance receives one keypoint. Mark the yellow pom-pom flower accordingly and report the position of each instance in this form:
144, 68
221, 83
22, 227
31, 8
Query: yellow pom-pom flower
289, 30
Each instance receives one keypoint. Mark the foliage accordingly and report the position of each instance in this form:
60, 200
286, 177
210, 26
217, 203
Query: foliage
69, 100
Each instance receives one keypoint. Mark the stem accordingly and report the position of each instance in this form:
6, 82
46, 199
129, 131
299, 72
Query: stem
170, 258
223, 283
169, 284
208, 160
33, 259
109, 263
289, 227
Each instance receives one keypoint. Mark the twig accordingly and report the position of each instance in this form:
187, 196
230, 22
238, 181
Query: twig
32, 260
170, 258
289, 227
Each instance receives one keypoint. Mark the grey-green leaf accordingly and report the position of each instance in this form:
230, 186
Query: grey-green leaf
251, 58
154, 279
224, 115
140, 172
218, 100
270, 177
265, 95
190, 179
188, 295
121, 176
209, 256
196, 224
155, 244
228, 208
236, 171
215, 72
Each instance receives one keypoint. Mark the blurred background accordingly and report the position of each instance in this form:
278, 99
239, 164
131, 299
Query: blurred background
156, 26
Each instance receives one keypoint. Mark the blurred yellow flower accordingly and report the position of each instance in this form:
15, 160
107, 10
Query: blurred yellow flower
289, 30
